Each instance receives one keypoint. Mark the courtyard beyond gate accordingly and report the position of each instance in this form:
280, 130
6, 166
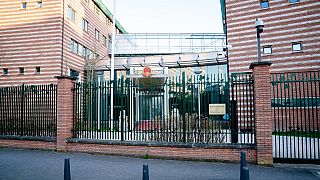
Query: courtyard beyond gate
167, 110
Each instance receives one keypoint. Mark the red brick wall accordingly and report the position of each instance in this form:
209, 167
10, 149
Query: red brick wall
7, 143
206, 154
263, 115
64, 111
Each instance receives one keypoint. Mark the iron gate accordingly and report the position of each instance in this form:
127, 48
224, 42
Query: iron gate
28, 110
166, 109
296, 113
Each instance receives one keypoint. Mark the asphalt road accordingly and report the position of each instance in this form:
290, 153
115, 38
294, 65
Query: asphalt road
46, 165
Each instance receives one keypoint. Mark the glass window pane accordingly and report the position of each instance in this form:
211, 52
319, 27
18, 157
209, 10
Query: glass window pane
267, 50
294, 1
296, 46
264, 4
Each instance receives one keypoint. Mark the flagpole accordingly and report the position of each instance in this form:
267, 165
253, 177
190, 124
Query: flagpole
112, 60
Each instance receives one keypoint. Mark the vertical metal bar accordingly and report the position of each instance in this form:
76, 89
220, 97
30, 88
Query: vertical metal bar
45, 119
305, 113
273, 83
183, 107
7, 110
287, 112
308, 80
297, 116
22, 110
252, 122
317, 91
294, 100
122, 108
313, 95
36, 97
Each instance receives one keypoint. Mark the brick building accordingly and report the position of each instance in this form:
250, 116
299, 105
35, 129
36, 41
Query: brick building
290, 38
41, 39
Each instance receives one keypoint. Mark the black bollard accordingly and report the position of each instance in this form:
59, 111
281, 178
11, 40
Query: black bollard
243, 163
145, 172
67, 175
245, 173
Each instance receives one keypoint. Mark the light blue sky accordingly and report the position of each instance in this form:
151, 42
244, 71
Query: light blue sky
168, 16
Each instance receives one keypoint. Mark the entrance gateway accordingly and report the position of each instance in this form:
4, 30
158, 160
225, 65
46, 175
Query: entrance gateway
150, 103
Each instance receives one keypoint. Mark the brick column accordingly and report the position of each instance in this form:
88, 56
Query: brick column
64, 111
263, 112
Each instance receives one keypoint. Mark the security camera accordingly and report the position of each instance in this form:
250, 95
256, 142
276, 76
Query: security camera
259, 25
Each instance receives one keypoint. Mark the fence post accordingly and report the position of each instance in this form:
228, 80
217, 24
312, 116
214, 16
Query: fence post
183, 112
22, 111
64, 111
263, 113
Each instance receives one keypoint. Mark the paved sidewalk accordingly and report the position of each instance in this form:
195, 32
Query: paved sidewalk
46, 165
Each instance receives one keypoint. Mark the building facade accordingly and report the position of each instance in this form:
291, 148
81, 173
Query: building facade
41, 39
290, 39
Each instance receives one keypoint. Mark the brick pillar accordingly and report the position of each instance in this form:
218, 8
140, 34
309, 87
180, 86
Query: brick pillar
64, 111
263, 112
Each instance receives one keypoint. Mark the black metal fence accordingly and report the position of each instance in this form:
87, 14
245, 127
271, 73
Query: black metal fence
296, 113
166, 110
28, 110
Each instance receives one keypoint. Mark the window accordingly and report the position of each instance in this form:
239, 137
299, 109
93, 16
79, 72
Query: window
74, 74
80, 50
5, 71
21, 70
267, 49
39, 4
24, 5
85, 24
294, 1
97, 35
264, 4
71, 14
96, 56
38, 70
86, 1
296, 46
74, 46
104, 40
96, 9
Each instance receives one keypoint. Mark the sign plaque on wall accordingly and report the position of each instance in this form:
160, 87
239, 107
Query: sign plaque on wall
217, 109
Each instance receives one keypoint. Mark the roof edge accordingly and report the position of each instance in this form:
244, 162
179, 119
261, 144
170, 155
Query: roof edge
106, 11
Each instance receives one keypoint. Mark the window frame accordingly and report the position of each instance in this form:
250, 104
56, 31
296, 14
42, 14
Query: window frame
97, 34
297, 43
104, 40
39, 4
264, 1
38, 70
296, 1
267, 47
71, 13
85, 25
24, 5
21, 70
5, 71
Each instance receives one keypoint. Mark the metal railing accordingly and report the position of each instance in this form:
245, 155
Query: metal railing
168, 43
296, 113
28, 110
161, 110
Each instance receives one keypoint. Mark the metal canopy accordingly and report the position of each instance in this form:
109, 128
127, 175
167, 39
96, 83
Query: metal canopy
168, 50
170, 61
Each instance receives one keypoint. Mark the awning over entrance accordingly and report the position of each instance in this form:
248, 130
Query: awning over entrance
176, 50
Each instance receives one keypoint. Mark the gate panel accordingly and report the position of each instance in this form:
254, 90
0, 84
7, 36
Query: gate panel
28, 110
174, 109
295, 106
